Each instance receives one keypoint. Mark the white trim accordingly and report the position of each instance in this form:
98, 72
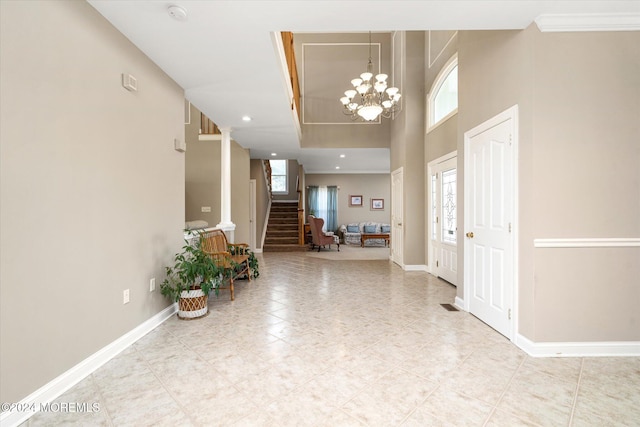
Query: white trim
459, 302
416, 267
210, 137
609, 242
265, 224
589, 22
429, 226
578, 349
442, 120
56, 387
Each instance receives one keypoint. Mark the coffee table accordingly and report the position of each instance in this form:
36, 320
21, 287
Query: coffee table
366, 236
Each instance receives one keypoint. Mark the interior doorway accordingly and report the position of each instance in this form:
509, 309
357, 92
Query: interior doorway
490, 211
442, 217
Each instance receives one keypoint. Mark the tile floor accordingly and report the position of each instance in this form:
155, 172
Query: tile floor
314, 342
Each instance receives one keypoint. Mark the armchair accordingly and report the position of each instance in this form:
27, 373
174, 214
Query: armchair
318, 238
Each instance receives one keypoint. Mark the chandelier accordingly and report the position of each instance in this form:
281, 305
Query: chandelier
374, 99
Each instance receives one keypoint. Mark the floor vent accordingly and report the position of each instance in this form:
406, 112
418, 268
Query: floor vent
449, 307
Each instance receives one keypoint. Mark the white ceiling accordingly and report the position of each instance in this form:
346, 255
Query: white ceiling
224, 56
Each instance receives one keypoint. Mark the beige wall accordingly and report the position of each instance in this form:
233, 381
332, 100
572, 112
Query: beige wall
327, 65
262, 197
579, 171
202, 174
586, 169
92, 193
408, 146
240, 192
377, 186
495, 73
202, 180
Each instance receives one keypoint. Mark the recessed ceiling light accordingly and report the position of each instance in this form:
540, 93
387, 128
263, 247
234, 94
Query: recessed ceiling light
342, 156
246, 118
274, 154
337, 167
178, 13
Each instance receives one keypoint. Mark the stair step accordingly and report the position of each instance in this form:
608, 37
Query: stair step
285, 248
282, 233
285, 221
281, 241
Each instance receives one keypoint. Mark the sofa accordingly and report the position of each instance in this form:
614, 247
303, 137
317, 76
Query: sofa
351, 233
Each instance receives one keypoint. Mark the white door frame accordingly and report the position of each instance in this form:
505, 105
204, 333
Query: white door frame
431, 268
252, 214
509, 114
397, 218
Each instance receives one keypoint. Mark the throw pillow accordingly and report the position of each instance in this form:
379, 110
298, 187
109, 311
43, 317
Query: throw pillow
386, 228
369, 228
352, 229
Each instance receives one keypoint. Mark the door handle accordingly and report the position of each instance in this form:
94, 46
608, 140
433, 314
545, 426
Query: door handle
470, 234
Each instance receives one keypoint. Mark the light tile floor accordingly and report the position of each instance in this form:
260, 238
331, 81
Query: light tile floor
313, 342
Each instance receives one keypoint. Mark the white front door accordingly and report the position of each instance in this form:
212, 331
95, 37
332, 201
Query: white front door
397, 197
489, 189
443, 218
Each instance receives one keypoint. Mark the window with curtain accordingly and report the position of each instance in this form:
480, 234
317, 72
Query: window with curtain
323, 203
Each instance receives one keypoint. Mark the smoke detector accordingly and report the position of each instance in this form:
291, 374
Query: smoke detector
178, 13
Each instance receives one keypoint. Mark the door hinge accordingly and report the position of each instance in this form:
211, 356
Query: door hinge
436, 220
510, 138
437, 265
509, 227
509, 314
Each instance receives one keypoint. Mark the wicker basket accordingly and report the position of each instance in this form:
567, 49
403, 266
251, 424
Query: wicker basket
192, 304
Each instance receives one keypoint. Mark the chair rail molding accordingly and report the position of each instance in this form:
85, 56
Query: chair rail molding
606, 242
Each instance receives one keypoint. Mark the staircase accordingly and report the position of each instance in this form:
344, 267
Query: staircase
282, 229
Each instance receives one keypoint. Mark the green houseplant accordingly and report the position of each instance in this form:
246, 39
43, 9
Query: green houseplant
190, 281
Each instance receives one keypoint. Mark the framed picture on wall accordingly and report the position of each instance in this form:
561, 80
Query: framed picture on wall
355, 201
377, 204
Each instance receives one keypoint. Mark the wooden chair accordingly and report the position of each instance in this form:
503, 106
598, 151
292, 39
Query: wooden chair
233, 257
318, 238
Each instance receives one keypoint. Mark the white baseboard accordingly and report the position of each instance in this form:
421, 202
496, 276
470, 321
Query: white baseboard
459, 302
257, 250
417, 267
578, 349
73, 376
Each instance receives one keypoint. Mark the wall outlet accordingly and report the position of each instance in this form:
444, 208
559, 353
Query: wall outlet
152, 285
205, 209
125, 296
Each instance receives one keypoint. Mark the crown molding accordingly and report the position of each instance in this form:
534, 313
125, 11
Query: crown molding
589, 22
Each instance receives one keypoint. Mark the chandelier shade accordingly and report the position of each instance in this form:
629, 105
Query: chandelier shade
370, 99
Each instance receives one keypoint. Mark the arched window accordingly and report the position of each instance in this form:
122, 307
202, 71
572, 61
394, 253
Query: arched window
442, 101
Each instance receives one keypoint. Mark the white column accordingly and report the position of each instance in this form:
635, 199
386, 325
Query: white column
225, 186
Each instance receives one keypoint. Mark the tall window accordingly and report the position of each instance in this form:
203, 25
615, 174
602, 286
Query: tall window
323, 203
279, 176
442, 101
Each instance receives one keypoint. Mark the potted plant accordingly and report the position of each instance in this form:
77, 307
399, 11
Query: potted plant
190, 281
